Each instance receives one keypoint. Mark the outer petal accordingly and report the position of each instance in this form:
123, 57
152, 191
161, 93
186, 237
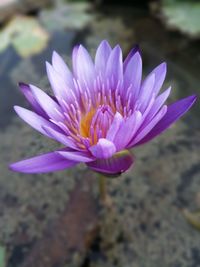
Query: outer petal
130, 55
83, 66
160, 73
59, 86
25, 88
103, 149
76, 156
174, 112
160, 100
60, 66
114, 69
63, 139
44, 163
51, 108
117, 164
150, 125
33, 119
133, 74
102, 55
146, 91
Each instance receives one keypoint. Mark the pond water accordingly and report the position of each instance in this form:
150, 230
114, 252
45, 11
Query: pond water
146, 225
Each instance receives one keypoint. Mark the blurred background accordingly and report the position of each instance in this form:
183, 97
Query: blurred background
55, 220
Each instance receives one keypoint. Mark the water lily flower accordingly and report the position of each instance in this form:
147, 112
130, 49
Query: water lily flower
100, 110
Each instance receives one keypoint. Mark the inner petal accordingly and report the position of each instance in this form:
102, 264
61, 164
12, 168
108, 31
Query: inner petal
95, 124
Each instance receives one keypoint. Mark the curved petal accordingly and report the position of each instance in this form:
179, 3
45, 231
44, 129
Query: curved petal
174, 112
127, 130
25, 89
102, 55
59, 86
63, 139
76, 156
74, 57
61, 67
83, 66
159, 101
117, 164
33, 119
44, 163
114, 68
160, 73
103, 149
141, 133
146, 91
133, 74
51, 108
117, 121
130, 55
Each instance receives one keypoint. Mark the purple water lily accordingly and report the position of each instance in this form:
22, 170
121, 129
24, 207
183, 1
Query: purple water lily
100, 110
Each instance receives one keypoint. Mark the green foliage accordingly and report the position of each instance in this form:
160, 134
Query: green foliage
25, 34
183, 15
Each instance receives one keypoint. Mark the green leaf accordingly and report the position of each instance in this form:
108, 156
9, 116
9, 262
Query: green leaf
25, 34
182, 15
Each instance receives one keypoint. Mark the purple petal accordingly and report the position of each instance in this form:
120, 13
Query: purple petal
150, 125
117, 164
63, 139
114, 68
174, 112
61, 68
130, 55
44, 163
59, 86
127, 130
102, 56
146, 91
33, 119
25, 88
118, 119
74, 57
133, 74
83, 66
160, 73
160, 100
103, 149
51, 108
76, 156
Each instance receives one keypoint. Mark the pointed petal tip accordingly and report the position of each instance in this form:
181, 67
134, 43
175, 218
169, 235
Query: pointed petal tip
17, 108
55, 53
14, 167
22, 84
105, 42
44, 163
194, 98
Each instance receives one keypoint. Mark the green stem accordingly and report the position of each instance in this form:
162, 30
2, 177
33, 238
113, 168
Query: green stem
102, 188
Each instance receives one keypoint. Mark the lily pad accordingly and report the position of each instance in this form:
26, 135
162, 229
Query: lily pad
25, 34
67, 16
182, 15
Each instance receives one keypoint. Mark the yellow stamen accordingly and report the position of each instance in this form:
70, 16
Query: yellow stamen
86, 122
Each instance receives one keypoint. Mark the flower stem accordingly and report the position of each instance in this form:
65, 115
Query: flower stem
102, 188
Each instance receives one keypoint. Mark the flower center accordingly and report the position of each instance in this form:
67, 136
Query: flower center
96, 122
